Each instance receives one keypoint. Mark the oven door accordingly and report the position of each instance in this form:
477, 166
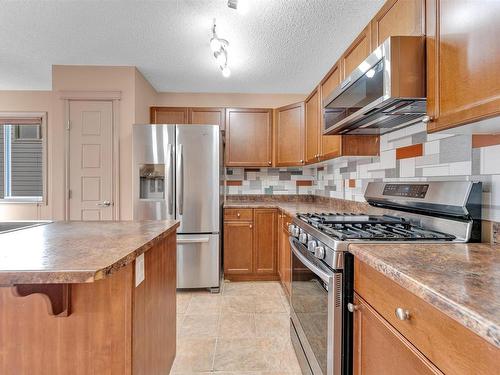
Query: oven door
316, 312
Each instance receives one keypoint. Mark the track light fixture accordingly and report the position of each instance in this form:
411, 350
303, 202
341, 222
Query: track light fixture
219, 48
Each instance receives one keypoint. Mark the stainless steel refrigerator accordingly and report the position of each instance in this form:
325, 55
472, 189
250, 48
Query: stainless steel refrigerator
177, 175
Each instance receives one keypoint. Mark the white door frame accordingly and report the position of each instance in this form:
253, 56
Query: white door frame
109, 96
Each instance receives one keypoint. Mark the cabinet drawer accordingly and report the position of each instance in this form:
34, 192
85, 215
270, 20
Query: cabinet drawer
238, 214
450, 346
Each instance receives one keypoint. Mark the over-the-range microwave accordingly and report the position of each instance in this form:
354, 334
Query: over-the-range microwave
384, 93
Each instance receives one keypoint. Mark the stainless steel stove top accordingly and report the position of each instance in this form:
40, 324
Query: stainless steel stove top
419, 212
369, 227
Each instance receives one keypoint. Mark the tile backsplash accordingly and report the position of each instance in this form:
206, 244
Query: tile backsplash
408, 154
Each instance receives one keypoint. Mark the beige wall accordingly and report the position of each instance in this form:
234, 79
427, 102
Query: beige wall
99, 78
227, 100
137, 95
30, 101
145, 97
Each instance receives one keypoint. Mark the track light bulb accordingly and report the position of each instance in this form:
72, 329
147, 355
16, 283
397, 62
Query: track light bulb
215, 44
226, 72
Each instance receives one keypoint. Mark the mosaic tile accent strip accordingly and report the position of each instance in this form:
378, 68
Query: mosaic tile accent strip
433, 157
409, 151
272, 181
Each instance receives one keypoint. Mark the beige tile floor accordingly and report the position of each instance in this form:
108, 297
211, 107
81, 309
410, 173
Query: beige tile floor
242, 330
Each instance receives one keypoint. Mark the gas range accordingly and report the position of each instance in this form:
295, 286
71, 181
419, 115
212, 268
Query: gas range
322, 272
429, 212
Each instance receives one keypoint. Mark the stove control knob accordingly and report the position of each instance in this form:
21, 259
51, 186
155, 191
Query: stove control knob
311, 245
303, 237
290, 228
295, 231
319, 252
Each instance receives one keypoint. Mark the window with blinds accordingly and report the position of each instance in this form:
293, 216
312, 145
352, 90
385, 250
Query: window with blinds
21, 159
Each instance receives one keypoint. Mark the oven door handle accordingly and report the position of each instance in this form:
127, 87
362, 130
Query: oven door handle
323, 275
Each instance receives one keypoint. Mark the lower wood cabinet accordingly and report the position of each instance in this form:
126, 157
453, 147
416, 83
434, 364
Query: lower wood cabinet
388, 342
238, 248
380, 349
250, 245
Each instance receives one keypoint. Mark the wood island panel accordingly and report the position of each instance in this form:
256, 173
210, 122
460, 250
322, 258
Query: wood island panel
114, 328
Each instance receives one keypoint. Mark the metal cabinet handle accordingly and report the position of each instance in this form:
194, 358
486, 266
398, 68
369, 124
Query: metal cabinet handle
301, 161
250, 226
104, 204
269, 163
402, 314
427, 119
352, 307
238, 214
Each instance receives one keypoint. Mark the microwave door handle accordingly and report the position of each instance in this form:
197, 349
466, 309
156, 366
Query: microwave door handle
170, 182
326, 277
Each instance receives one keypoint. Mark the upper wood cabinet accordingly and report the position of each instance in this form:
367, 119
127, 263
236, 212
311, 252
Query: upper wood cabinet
397, 18
188, 115
289, 135
212, 116
463, 62
356, 52
313, 131
168, 115
248, 137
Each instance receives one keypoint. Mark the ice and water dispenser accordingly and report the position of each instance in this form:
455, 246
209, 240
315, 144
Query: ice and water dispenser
152, 181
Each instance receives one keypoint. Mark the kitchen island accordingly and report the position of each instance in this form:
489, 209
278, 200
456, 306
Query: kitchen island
88, 298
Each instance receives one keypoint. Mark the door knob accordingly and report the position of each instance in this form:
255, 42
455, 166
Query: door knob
269, 163
402, 314
427, 119
352, 307
104, 204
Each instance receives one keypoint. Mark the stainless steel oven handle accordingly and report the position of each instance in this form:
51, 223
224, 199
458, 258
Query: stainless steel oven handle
325, 276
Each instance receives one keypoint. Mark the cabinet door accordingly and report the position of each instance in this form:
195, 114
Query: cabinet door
289, 140
286, 255
380, 349
265, 241
357, 52
238, 248
329, 144
209, 116
313, 134
248, 137
463, 62
280, 244
397, 18
168, 115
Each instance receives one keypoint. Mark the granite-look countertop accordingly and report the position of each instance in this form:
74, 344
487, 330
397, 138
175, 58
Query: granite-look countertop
294, 207
75, 252
460, 280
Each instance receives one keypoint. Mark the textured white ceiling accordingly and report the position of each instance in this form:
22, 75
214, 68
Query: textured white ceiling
278, 46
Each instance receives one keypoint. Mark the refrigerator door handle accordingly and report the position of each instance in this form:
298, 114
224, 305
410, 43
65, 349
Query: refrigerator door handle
170, 193
193, 240
181, 180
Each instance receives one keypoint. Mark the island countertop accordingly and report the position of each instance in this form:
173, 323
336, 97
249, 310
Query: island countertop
75, 252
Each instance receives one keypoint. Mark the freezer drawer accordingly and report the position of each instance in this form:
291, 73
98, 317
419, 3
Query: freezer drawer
198, 259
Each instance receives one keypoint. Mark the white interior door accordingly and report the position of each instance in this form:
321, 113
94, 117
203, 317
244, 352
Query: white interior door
90, 160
